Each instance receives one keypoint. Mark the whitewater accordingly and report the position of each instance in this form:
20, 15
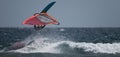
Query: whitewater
48, 45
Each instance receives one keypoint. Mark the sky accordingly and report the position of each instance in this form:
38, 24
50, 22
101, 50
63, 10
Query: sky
70, 13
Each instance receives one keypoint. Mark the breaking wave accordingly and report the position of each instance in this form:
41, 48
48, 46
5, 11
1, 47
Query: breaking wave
49, 45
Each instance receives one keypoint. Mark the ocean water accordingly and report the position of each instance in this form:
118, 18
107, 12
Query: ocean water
61, 42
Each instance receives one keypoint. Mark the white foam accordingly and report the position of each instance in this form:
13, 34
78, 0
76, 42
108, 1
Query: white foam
42, 45
48, 45
97, 48
62, 29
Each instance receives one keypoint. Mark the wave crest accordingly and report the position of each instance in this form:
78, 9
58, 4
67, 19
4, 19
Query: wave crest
47, 45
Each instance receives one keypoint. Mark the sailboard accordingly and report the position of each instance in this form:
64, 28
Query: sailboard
40, 20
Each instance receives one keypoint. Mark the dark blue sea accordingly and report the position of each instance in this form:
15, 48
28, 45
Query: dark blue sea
61, 42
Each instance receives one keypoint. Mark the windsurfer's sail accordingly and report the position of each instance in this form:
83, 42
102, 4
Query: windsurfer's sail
40, 20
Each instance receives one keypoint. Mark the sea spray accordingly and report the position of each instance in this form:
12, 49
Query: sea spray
46, 45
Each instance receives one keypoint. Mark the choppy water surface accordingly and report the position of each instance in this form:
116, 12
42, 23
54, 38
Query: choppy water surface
61, 42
